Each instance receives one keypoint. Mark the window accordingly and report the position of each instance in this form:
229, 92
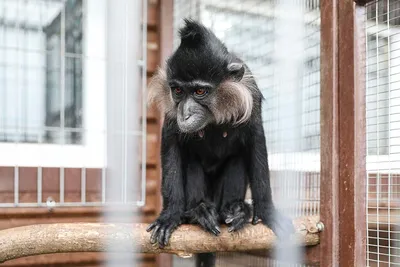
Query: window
52, 62
64, 101
377, 101
33, 53
72, 98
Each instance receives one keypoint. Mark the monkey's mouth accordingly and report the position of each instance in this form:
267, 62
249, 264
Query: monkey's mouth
192, 130
190, 127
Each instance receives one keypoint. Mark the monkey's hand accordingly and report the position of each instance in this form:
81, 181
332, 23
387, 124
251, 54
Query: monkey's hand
281, 225
163, 227
236, 214
204, 214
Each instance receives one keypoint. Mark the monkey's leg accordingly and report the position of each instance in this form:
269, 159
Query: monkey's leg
234, 211
198, 209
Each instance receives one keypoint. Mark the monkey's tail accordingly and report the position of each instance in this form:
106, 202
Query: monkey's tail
205, 260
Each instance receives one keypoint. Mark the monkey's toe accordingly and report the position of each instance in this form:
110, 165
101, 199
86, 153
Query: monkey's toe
162, 229
205, 214
236, 215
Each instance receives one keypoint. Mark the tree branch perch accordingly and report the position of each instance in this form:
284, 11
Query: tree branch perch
186, 240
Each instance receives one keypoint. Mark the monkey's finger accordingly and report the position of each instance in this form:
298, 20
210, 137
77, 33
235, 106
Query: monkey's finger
213, 213
167, 235
256, 220
154, 234
215, 229
151, 226
231, 217
214, 224
229, 220
237, 225
238, 208
206, 224
161, 237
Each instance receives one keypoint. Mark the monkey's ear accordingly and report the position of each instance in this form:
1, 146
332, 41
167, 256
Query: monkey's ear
236, 70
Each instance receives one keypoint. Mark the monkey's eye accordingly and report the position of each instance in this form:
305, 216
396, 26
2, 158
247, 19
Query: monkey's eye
177, 90
200, 92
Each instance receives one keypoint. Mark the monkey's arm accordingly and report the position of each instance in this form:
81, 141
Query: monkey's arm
171, 188
263, 206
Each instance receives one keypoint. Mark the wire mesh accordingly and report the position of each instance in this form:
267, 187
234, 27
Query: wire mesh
383, 132
251, 30
55, 133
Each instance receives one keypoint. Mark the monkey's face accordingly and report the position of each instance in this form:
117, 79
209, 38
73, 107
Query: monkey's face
202, 83
199, 101
192, 103
195, 103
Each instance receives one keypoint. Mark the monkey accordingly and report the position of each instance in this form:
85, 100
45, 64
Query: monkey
213, 144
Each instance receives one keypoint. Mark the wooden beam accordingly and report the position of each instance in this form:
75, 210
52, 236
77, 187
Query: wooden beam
42, 239
352, 134
343, 174
166, 34
329, 133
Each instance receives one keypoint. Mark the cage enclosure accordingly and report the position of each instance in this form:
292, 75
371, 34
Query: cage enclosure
77, 139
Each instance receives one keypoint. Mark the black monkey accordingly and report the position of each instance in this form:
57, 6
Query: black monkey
213, 142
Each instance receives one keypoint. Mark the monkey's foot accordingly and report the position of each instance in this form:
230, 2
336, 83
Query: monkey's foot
236, 215
204, 214
162, 229
281, 225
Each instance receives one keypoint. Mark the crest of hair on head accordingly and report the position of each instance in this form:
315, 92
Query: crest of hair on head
158, 92
234, 100
193, 33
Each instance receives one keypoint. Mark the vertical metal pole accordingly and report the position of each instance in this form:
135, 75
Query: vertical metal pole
62, 100
123, 91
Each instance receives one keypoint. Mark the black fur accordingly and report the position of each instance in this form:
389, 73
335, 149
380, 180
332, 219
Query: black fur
200, 56
204, 178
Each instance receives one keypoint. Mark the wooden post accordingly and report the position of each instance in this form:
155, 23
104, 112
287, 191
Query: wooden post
343, 144
166, 34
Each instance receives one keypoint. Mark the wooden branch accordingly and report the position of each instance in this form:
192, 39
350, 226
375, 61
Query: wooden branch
186, 240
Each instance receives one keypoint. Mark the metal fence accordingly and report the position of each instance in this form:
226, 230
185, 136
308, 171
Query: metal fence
72, 102
383, 132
